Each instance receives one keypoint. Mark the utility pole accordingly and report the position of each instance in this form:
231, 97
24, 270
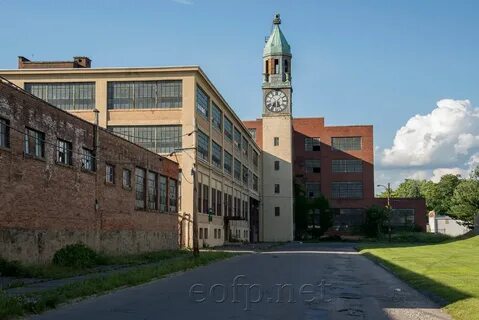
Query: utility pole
196, 248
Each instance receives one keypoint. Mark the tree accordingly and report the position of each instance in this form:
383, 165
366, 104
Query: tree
375, 218
442, 199
410, 188
465, 201
305, 212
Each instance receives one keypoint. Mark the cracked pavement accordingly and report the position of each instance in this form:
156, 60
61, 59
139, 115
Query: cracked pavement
294, 281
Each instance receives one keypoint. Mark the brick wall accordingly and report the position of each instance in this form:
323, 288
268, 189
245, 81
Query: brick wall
45, 205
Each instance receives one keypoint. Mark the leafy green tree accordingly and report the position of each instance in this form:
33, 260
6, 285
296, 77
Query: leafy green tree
375, 218
465, 201
410, 188
303, 209
442, 198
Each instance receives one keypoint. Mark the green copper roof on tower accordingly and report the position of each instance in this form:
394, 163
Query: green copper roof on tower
276, 44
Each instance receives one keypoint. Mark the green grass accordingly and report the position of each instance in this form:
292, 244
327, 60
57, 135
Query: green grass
448, 270
51, 271
36, 303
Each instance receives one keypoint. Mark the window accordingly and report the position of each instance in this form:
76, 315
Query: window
213, 201
346, 143
145, 94
173, 194
252, 133
159, 139
201, 233
218, 204
202, 102
203, 146
245, 175
152, 186
313, 189
163, 193
64, 152
347, 190
230, 205
4, 133
276, 211
34, 143
245, 146
286, 67
217, 117
219, 233
206, 233
225, 201
276, 188
109, 173
347, 166
255, 182
206, 200
276, 66
200, 197
276, 141
66, 96
255, 158
402, 217
228, 162
237, 169
276, 165
216, 155
126, 179
312, 144
140, 188
312, 166
237, 139
216, 233
87, 160
228, 129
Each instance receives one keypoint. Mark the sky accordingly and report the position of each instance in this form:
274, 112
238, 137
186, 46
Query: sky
408, 67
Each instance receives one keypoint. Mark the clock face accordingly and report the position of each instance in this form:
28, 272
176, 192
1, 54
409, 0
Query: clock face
276, 101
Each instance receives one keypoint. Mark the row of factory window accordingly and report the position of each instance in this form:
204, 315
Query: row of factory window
161, 139
120, 94
223, 124
339, 189
314, 143
222, 159
152, 191
221, 204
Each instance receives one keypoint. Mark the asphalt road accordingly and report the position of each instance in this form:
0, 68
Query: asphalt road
296, 281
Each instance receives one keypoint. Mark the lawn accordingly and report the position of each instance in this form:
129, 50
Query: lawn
448, 271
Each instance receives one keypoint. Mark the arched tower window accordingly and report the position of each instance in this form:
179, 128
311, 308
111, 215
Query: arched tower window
286, 66
276, 66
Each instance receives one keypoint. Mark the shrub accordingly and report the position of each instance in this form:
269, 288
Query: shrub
76, 256
375, 217
11, 268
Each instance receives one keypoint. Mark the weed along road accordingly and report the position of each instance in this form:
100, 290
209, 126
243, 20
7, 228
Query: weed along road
295, 281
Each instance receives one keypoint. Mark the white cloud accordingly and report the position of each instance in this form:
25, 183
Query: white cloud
441, 137
445, 141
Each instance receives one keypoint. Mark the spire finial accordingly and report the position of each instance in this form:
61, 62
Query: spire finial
277, 19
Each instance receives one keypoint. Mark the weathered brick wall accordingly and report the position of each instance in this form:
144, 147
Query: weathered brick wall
45, 205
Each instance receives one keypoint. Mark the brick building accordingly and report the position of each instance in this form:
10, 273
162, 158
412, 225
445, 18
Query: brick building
64, 180
246, 170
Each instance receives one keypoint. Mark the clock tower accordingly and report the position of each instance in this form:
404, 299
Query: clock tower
277, 220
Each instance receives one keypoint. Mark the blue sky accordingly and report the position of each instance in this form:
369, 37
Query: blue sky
354, 62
